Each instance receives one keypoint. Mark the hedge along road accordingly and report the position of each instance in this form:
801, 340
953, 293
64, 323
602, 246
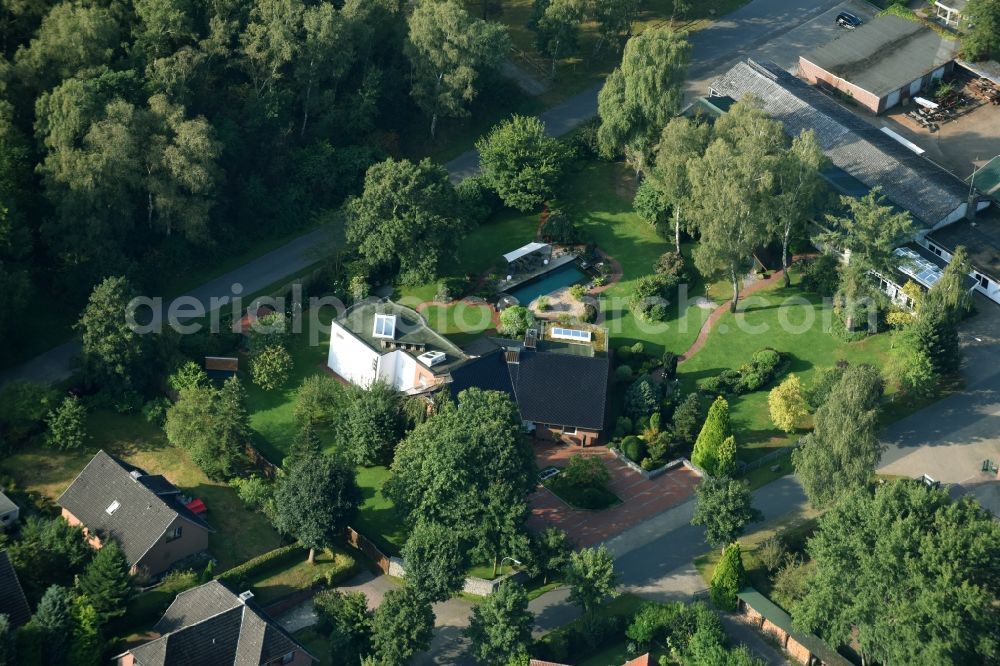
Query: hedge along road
713, 49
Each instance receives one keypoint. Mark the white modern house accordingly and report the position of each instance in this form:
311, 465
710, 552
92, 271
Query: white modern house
383, 341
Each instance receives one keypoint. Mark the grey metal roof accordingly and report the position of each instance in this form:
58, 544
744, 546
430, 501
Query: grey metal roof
885, 54
912, 182
13, 604
143, 514
209, 625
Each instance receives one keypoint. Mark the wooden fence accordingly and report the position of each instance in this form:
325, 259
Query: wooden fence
365, 545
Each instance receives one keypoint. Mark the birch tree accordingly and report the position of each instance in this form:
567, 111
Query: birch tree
450, 51
641, 96
682, 140
801, 187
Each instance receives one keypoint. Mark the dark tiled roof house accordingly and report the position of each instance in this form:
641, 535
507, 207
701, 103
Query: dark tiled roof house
210, 626
12, 601
144, 513
559, 395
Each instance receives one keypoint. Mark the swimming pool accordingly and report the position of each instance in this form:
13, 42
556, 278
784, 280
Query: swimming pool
563, 276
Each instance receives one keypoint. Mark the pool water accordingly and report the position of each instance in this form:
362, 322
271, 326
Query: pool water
561, 277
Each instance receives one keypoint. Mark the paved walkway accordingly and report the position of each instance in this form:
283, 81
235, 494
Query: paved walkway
641, 498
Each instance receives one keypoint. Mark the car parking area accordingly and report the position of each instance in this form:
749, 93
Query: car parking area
641, 498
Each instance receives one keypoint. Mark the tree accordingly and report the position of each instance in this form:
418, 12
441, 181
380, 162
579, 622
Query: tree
801, 190
951, 293
934, 336
515, 320
725, 464
372, 423
270, 42
450, 51
728, 578
326, 52
406, 219
500, 628
681, 141
520, 162
107, 582
270, 367
86, 643
213, 440
902, 563
8, 642
732, 190
724, 508
687, 418
68, 425
591, 577
912, 366
402, 626
981, 38
843, 449
870, 231
233, 419
714, 431
318, 400
549, 552
557, 27
187, 375
53, 619
346, 617
435, 560
469, 468
50, 551
641, 95
642, 398
787, 404
112, 351
614, 21
650, 204
315, 499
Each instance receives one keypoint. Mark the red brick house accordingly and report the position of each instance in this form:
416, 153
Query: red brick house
144, 513
211, 626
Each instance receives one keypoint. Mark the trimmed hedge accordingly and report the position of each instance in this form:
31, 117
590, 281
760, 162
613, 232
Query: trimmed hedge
764, 367
240, 575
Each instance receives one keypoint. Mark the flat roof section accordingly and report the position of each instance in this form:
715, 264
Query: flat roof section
981, 238
885, 54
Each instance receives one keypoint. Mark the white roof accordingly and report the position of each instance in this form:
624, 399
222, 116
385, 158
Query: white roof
525, 250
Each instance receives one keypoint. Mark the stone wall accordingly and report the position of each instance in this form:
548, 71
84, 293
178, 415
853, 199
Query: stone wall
479, 587
659, 471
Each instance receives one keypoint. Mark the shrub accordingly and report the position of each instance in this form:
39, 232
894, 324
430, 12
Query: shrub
23, 407
155, 410
790, 583
477, 198
344, 566
589, 313
591, 498
728, 579
647, 463
560, 228
68, 425
787, 405
624, 353
271, 367
255, 491
239, 577
577, 291
650, 204
823, 382
821, 275
515, 320
713, 433
623, 427
726, 381
643, 397
634, 448
687, 419
671, 266
659, 447
586, 471
450, 289
188, 375
638, 348
647, 302
771, 553
623, 372
670, 360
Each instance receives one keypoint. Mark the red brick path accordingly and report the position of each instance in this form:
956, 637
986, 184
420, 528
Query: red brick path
641, 498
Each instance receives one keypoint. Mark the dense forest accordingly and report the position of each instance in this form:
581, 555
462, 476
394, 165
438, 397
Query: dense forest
145, 137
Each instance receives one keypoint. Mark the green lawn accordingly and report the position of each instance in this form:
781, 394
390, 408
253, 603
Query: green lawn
285, 580
377, 518
805, 337
239, 533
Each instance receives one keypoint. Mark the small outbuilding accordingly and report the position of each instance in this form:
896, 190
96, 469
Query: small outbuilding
881, 63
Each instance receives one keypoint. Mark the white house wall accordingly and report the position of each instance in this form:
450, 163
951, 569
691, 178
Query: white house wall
351, 358
991, 290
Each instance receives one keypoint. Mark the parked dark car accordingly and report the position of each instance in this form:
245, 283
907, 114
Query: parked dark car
848, 20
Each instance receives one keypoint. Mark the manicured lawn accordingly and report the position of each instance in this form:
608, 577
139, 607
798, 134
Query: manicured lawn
286, 580
791, 321
377, 518
239, 533
764, 475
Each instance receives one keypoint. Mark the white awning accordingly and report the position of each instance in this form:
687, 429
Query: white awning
525, 250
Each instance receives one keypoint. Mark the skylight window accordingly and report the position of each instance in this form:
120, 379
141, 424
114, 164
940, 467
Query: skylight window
112, 507
385, 326
571, 334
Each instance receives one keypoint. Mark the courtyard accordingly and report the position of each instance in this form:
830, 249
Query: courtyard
641, 498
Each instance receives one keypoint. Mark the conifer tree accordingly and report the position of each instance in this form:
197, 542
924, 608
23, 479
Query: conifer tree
728, 579
106, 582
713, 433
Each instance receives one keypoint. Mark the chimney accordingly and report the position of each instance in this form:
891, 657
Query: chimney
970, 205
135, 474
245, 596
531, 338
513, 356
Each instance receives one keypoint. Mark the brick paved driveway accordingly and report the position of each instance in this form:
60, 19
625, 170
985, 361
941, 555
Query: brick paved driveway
641, 498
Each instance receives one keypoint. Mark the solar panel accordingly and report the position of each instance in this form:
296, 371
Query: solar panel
922, 270
570, 334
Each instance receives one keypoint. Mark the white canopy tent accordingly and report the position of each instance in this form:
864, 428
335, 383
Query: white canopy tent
526, 250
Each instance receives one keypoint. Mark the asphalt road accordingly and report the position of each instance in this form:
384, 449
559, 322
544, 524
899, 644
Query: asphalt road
732, 37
